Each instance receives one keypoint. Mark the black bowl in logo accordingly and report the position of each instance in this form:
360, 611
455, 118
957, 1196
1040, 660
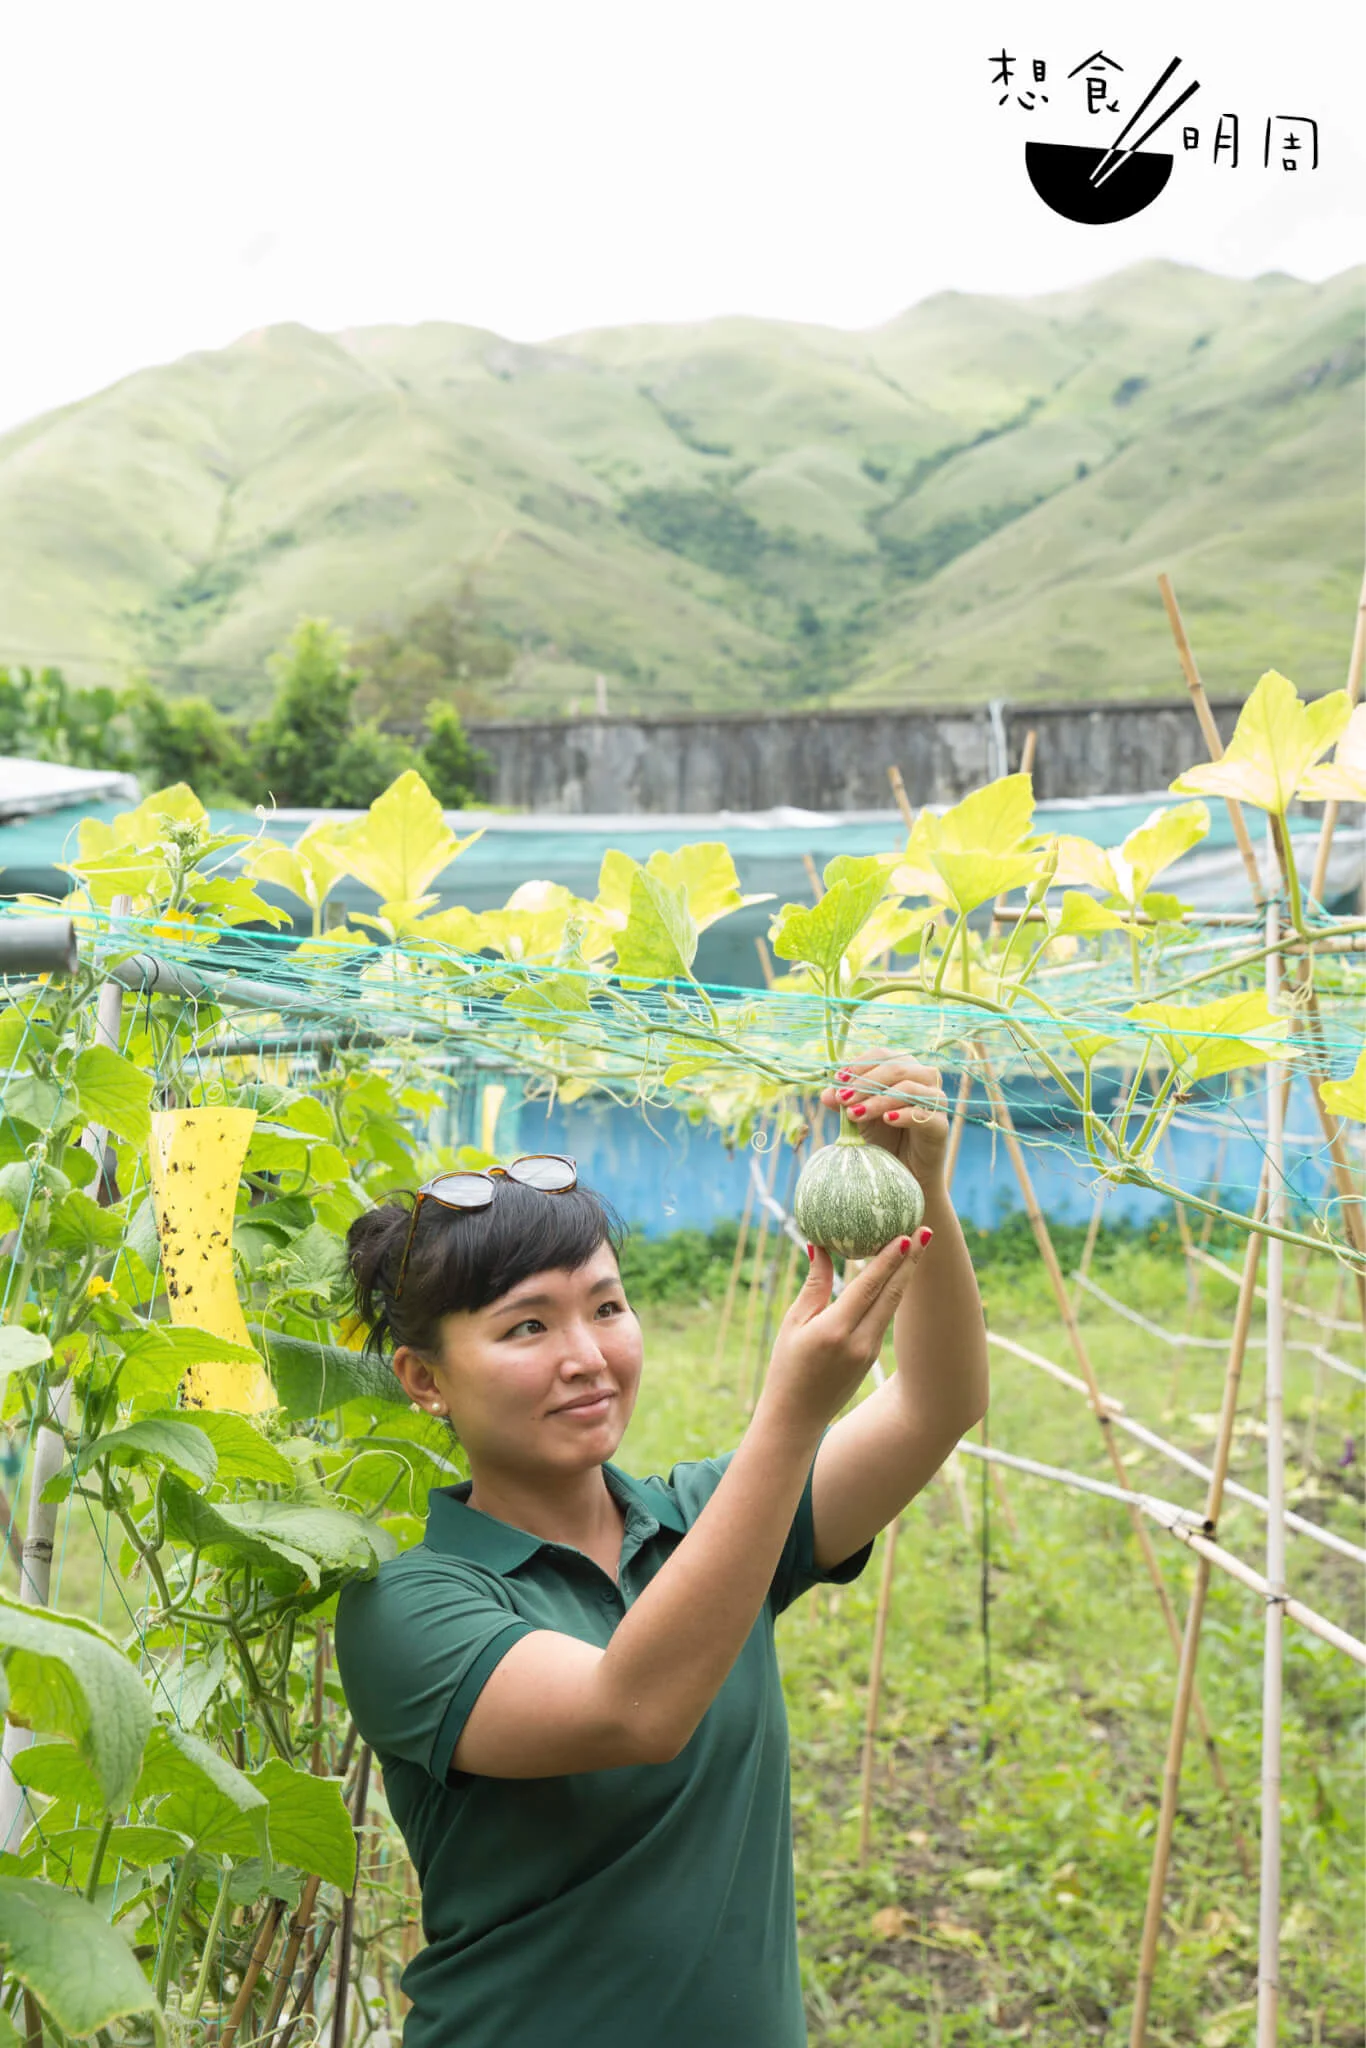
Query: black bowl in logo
1060, 173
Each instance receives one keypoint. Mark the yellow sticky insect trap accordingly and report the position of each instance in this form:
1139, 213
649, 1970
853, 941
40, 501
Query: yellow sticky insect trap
196, 1160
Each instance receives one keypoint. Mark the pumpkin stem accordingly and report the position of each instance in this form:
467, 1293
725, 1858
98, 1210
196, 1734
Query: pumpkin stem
850, 1134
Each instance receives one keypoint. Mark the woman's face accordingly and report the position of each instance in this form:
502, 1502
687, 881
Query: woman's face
545, 1378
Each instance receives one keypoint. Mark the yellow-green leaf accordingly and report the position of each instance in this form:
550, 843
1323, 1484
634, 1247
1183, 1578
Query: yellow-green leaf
659, 939
971, 879
1277, 740
1348, 1097
402, 843
994, 819
1343, 780
1158, 841
822, 933
1081, 916
1216, 1037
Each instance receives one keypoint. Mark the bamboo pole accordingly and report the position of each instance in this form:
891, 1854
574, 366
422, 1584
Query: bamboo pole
1331, 808
765, 959
270, 1921
1190, 1641
728, 1303
960, 1117
302, 1916
342, 1989
813, 877
1208, 727
757, 1269
1273, 1663
870, 1723
1043, 1240
315, 1962
1180, 1523
903, 802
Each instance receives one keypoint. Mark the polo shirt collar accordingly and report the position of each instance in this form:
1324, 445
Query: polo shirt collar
455, 1529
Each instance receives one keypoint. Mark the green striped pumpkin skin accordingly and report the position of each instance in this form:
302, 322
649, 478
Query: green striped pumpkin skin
853, 1198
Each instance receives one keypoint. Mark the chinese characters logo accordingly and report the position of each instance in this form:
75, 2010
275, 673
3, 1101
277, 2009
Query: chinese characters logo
1098, 185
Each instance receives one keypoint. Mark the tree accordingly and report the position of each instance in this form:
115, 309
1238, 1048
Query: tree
295, 748
184, 739
454, 769
441, 650
46, 718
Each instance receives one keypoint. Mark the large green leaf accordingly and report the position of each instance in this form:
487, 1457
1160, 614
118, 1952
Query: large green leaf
1348, 1098
243, 1452
203, 1796
39, 1103
217, 1529
310, 1828
1276, 742
114, 1092
58, 1771
78, 1967
20, 1348
69, 1852
80, 1225
156, 1359
66, 1677
1216, 1037
821, 934
159, 1440
312, 1379
335, 1540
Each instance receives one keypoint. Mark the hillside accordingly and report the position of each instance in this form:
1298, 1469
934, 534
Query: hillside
970, 501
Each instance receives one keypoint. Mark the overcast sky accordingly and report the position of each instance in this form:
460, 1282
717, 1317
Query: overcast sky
178, 174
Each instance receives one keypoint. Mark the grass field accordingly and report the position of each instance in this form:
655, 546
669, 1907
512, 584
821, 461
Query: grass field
968, 502
1017, 1775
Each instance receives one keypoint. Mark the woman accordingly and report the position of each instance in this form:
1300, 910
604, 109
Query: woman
571, 1683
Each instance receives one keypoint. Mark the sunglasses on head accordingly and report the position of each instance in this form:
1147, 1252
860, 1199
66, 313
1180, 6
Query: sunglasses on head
471, 1189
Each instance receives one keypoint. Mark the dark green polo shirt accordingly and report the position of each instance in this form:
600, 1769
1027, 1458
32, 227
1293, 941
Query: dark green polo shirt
648, 1907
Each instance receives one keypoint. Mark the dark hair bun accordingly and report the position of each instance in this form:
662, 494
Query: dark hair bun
374, 1247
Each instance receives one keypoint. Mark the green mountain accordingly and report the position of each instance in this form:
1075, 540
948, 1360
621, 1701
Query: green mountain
970, 501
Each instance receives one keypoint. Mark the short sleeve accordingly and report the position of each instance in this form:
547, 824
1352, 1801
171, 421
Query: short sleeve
414, 1649
692, 1486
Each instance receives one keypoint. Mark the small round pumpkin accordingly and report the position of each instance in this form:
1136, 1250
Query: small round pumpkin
853, 1198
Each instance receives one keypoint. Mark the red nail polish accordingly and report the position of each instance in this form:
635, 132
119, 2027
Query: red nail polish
811, 1251
843, 1074
893, 1115
844, 1094
859, 1109
925, 1236
905, 1244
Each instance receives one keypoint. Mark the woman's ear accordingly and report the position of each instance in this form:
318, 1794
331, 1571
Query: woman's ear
414, 1375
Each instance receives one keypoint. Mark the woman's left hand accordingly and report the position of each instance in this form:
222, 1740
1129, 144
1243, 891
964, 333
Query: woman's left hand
873, 1090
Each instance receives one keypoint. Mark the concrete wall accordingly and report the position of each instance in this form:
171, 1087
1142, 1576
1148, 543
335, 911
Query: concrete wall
833, 760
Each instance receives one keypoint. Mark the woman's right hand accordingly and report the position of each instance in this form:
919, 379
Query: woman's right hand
825, 1346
